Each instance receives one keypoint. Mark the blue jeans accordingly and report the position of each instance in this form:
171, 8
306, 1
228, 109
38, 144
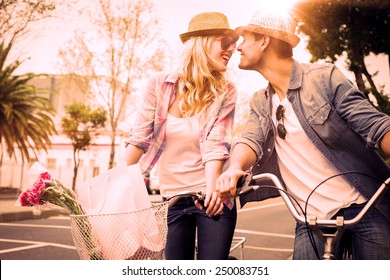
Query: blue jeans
370, 239
214, 234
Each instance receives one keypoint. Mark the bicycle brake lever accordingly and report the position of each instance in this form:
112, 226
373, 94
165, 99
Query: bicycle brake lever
243, 184
200, 197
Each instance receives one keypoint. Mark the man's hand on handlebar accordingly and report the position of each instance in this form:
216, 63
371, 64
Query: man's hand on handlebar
227, 182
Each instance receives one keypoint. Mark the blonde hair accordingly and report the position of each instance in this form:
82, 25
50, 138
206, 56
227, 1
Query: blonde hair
197, 84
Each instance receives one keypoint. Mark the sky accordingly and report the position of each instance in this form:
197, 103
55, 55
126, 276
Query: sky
39, 51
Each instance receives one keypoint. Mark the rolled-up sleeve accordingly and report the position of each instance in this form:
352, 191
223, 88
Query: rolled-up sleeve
255, 129
218, 134
141, 133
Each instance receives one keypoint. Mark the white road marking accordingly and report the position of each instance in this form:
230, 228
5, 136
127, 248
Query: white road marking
260, 207
60, 217
34, 226
268, 249
265, 233
260, 233
35, 245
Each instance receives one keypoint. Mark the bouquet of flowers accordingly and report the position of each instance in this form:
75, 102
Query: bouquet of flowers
49, 191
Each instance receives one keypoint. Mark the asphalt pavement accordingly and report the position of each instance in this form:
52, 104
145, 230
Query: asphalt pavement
260, 244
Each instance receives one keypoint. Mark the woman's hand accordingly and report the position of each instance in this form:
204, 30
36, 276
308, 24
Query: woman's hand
213, 204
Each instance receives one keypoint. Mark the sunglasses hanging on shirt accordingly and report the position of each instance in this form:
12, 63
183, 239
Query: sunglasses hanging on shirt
280, 119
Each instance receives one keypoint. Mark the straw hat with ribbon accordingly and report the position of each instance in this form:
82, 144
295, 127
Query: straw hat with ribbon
276, 24
206, 24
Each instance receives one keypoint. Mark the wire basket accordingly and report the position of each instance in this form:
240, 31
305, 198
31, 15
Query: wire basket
138, 235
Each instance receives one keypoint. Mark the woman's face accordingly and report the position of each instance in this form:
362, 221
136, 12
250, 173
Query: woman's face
221, 50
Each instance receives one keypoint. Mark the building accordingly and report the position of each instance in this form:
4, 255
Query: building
62, 91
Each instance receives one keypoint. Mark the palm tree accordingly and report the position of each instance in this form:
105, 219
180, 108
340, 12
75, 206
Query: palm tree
25, 117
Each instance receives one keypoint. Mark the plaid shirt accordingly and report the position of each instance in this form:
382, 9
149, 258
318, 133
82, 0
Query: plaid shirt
148, 132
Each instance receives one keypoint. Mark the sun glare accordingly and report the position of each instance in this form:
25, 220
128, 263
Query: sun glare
278, 5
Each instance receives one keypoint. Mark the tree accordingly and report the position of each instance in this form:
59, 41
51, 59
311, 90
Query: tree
81, 124
16, 15
117, 48
25, 121
25, 117
356, 28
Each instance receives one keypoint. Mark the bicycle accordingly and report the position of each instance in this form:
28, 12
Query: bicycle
137, 235
245, 184
238, 242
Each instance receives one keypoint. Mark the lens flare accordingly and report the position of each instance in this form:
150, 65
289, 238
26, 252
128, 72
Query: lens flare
277, 5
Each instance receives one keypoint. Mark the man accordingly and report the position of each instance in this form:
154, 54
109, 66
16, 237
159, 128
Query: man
309, 124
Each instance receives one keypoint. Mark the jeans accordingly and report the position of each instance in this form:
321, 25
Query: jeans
214, 234
369, 239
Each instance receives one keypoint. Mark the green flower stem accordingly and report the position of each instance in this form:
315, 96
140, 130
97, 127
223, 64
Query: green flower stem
58, 198
56, 193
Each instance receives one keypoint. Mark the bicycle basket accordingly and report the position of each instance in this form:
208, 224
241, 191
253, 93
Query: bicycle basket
137, 235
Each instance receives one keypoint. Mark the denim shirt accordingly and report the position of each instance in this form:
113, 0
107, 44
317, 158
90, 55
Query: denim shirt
337, 118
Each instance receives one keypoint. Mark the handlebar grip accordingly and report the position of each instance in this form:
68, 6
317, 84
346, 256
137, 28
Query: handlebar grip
200, 197
243, 184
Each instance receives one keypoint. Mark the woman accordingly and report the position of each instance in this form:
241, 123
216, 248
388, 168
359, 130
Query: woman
185, 123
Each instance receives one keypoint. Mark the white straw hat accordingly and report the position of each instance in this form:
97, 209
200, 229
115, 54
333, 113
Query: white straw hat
277, 24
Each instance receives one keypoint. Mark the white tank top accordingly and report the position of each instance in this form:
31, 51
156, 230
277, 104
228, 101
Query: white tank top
180, 165
303, 167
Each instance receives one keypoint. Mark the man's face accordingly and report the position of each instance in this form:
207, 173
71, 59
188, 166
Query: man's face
251, 52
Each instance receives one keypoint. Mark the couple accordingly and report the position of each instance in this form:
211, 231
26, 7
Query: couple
310, 123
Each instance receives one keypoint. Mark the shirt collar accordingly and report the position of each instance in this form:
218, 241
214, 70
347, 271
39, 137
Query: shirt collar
296, 76
172, 78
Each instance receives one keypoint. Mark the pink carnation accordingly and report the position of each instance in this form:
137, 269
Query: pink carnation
32, 197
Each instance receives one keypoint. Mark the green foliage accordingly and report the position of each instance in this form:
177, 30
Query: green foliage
335, 26
25, 117
82, 124
356, 28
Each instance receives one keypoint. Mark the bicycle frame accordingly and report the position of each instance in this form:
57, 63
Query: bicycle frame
329, 239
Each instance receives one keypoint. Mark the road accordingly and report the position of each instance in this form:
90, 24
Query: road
43, 239
267, 227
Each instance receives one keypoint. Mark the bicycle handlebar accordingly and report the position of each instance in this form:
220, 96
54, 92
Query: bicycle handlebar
196, 196
243, 186
199, 196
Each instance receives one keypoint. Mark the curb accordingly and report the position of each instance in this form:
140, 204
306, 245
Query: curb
27, 215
